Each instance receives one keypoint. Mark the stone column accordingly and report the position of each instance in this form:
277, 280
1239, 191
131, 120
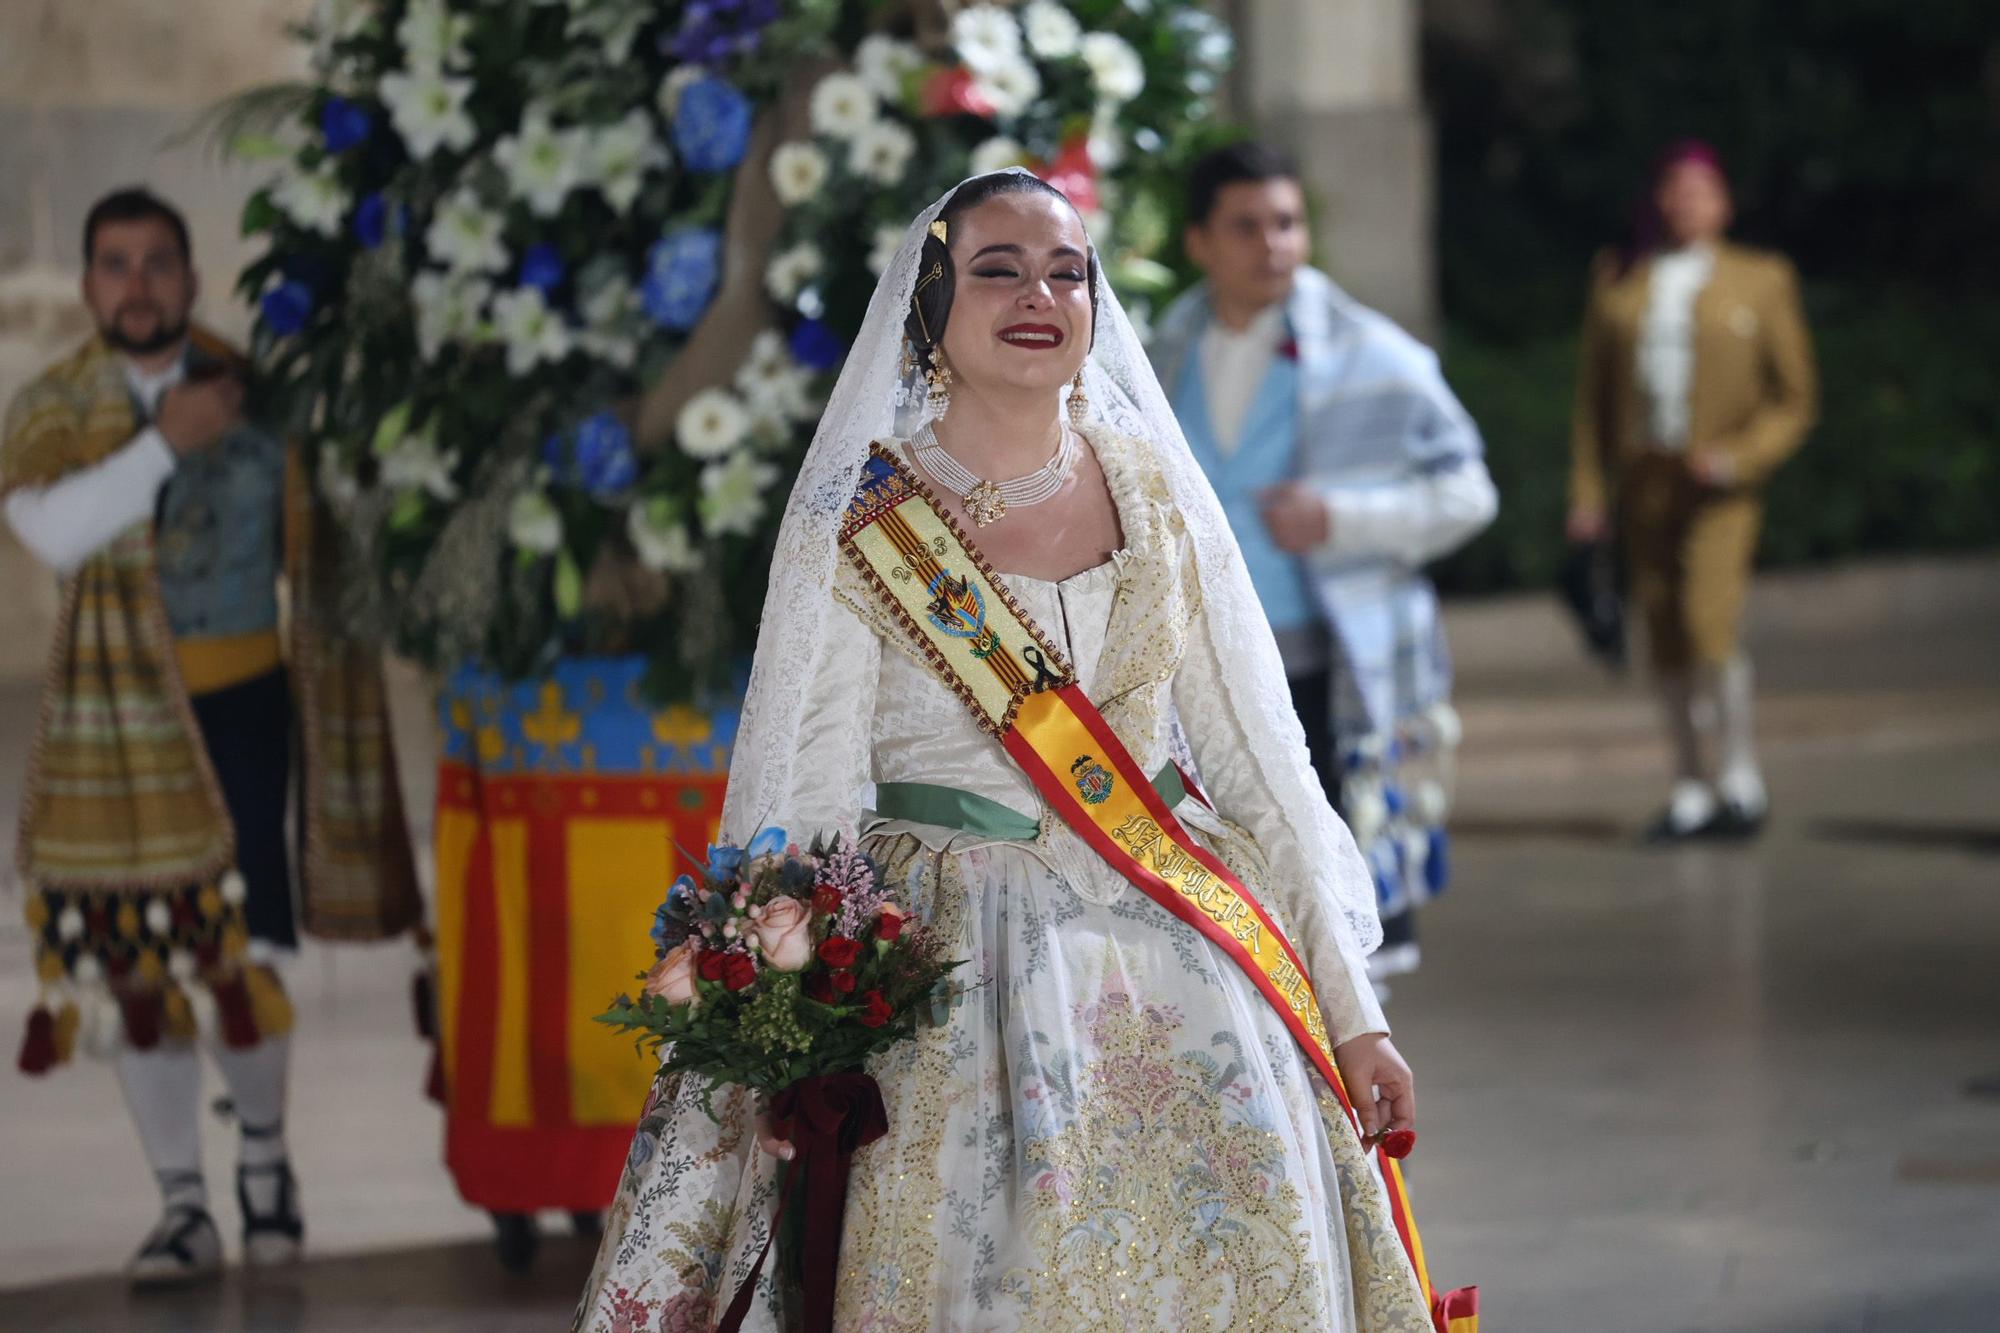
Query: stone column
1337, 83
94, 95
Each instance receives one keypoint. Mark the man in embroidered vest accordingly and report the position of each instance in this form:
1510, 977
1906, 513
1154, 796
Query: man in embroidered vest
1345, 464
152, 850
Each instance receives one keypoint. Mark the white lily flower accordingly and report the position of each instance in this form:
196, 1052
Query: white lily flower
881, 153
609, 303
798, 170
661, 540
533, 332
842, 106
428, 109
997, 154
986, 36
790, 271
882, 62
450, 309
534, 523
620, 155
1011, 86
432, 36
315, 199
542, 162
1115, 67
465, 234
1052, 30
733, 493
711, 424
415, 462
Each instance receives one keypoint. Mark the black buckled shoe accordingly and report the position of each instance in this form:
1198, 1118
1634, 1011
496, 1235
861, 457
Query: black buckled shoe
183, 1248
275, 1236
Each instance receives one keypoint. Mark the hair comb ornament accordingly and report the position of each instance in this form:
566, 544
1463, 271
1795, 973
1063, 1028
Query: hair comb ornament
939, 230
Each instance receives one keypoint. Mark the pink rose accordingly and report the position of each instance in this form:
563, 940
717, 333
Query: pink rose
783, 931
672, 978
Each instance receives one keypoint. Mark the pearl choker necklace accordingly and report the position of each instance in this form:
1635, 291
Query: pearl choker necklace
985, 501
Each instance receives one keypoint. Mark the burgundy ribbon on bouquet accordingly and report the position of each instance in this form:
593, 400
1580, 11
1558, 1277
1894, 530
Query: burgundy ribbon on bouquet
825, 1118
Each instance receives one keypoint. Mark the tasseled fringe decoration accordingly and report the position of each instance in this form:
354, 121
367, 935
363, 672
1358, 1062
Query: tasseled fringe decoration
269, 1007
68, 1020
434, 1081
144, 1016
179, 1014
239, 1018
38, 1043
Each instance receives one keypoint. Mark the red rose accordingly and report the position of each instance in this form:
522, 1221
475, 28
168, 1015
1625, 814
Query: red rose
737, 970
889, 925
709, 966
827, 899
1398, 1143
877, 1010
819, 986
839, 951
841, 981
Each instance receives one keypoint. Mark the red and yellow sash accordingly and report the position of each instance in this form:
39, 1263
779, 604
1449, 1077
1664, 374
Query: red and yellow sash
1019, 688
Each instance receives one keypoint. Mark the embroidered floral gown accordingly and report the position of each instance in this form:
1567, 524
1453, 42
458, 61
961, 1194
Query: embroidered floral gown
1115, 1131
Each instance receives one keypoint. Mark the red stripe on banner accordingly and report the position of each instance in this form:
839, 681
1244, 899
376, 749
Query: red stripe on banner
577, 795
548, 968
471, 1080
1406, 1223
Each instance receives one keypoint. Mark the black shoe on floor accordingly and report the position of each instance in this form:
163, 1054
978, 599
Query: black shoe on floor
516, 1240
183, 1248
1666, 831
275, 1237
1735, 822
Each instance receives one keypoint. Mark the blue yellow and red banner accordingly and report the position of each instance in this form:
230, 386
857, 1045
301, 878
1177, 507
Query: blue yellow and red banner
565, 807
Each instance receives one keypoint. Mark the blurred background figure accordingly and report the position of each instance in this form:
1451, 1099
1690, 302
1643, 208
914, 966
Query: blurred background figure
1696, 381
1345, 464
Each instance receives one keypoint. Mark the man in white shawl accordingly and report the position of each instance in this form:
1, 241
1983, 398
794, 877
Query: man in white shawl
1345, 464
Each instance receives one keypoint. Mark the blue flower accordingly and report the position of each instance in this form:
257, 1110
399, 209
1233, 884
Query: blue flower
712, 125
344, 124
604, 461
768, 842
371, 220
816, 345
542, 267
682, 270
723, 860
286, 307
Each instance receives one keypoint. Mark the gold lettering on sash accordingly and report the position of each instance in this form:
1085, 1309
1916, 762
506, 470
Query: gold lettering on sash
1139, 833
1172, 861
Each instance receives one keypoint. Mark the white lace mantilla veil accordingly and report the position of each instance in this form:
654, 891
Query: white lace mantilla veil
872, 402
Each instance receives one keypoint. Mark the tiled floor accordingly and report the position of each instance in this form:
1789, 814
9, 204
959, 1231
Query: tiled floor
1713, 1089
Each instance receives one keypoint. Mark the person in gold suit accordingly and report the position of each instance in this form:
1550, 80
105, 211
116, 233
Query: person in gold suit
1696, 382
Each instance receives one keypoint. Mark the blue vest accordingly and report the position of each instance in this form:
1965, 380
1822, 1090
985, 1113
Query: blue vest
1264, 458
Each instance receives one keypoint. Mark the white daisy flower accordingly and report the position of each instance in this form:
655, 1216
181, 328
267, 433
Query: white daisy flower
542, 162
842, 106
790, 271
882, 62
315, 199
1052, 30
449, 309
533, 332
619, 155
661, 540
1115, 67
997, 154
711, 424
428, 110
986, 37
432, 36
1011, 87
881, 153
883, 252
733, 493
534, 523
465, 234
679, 79
798, 170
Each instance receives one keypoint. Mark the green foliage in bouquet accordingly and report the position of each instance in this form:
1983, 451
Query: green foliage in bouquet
779, 964
503, 300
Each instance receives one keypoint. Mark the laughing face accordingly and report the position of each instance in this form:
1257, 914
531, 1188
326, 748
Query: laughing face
1020, 308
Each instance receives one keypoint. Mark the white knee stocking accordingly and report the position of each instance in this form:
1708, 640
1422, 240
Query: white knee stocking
163, 1091
256, 1076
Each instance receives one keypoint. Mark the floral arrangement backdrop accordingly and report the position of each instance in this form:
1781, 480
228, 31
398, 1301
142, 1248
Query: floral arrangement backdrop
555, 288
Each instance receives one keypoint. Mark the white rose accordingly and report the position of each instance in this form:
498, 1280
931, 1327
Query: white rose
534, 524
986, 36
997, 154
881, 153
790, 271
1052, 30
711, 424
798, 170
1115, 67
842, 106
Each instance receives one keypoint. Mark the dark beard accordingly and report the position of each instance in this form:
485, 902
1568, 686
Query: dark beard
164, 336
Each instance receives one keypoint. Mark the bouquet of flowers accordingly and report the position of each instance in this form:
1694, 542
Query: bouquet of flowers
784, 969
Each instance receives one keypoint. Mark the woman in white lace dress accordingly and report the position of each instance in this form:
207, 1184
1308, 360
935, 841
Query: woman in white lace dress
1115, 1130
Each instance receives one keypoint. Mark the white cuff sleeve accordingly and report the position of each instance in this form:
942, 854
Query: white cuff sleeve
66, 522
1414, 521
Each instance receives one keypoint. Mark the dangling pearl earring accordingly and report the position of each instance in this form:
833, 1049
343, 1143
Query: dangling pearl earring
938, 398
1079, 401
